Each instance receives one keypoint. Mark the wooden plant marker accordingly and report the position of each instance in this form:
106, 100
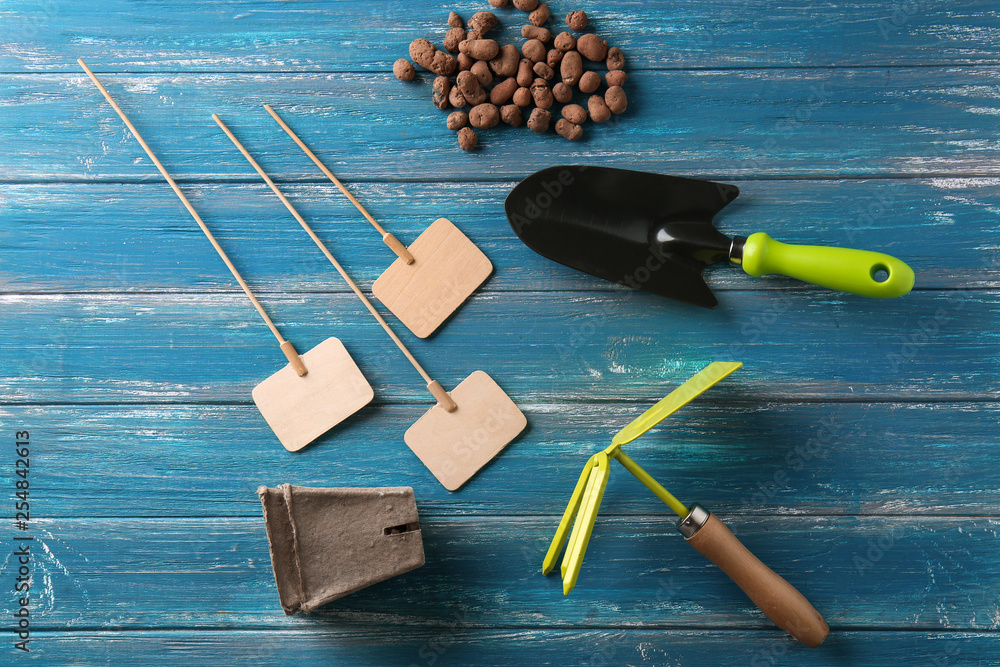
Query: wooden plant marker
431, 278
314, 392
466, 428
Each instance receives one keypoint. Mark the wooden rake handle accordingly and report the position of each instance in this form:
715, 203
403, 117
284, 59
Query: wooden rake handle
774, 596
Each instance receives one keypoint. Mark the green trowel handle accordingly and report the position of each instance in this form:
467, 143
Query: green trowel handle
860, 272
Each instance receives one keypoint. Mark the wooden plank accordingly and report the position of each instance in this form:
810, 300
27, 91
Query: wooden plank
307, 36
730, 450
861, 573
798, 344
60, 237
450, 643
822, 122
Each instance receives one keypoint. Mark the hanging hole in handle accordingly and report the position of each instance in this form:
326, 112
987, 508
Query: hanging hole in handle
880, 273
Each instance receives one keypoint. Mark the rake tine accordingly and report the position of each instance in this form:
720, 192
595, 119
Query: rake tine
580, 538
571, 509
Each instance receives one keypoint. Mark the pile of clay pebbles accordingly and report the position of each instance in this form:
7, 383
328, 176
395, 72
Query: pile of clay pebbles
485, 82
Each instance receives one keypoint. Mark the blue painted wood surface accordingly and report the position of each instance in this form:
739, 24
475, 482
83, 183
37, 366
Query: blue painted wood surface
855, 452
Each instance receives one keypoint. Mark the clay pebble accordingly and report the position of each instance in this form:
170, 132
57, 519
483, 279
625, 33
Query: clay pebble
503, 91
467, 138
440, 90
457, 120
542, 94
483, 22
539, 120
574, 113
569, 130
598, 108
534, 32
480, 49
592, 47
577, 20
615, 59
589, 82
543, 71
484, 116
533, 50
404, 70
562, 93
564, 41
455, 21
425, 54
511, 115
615, 99
571, 68
482, 71
615, 77
506, 62
521, 97
540, 15
526, 5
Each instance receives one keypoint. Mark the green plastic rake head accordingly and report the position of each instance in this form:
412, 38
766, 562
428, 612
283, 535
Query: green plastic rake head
704, 531
586, 498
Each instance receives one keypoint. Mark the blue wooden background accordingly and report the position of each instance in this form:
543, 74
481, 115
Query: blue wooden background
129, 353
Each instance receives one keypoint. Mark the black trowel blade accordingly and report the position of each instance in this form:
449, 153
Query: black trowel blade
648, 231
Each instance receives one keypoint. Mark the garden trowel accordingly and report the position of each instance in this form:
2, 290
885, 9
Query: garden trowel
655, 233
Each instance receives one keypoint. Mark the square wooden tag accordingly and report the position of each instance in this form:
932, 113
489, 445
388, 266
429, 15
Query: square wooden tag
300, 409
446, 270
454, 445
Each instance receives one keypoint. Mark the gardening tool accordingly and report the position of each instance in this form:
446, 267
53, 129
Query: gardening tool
655, 233
468, 426
778, 599
431, 279
314, 392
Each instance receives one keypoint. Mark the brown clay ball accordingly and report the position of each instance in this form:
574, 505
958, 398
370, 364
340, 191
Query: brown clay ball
543, 71
503, 91
615, 99
511, 114
522, 97
457, 120
533, 50
480, 49
562, 93
404, 70
534, 32
484, 116
574, 113
505, 64
616, 59
483, 22
589, 82
455, 21
456, 98
553, 58
598, 108
453, 38
592, 47
569, 130
565, 42
467, 138
526, 5
616, 77
498, 3
440, 90
540, 15
541, 93
571, 68
577, 20
482, 71
539, 120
